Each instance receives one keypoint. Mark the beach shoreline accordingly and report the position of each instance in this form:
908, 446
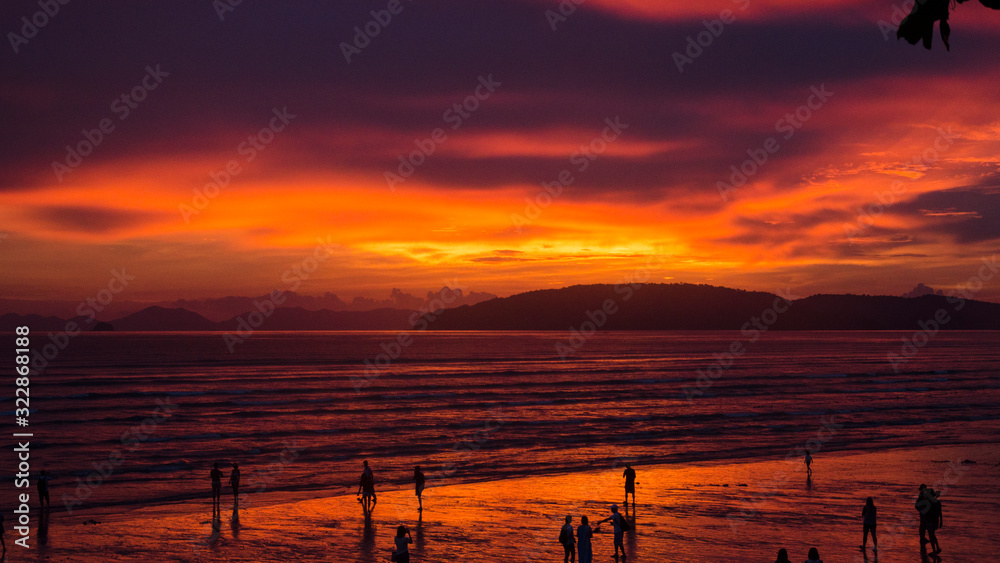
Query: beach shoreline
739, 511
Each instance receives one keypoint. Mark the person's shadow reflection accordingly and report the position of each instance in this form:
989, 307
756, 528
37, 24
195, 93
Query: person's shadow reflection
630, 539
419, 542
809, 482
368, 540
43, 528
216, 529
234, 522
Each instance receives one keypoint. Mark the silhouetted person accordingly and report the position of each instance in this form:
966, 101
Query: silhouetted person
402, 539
616, 521
420, 481
809, 462
869, 522
216, 475
234, 482
583, 536
782, 556
43, 490
567, 540
935, 519
814, 556
629, 475
922, 507
366, 488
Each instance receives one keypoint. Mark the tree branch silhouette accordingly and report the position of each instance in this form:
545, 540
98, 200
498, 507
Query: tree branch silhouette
919, 25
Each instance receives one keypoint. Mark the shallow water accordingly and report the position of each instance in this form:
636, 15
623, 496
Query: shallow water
708, 511
480, 406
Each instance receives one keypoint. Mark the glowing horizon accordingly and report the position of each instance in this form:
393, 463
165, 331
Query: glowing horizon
889, 182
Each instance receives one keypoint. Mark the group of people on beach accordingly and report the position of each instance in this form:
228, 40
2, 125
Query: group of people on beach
928, 504
584, 534
579, 541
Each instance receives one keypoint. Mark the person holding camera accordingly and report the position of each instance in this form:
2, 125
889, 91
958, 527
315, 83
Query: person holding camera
402, 539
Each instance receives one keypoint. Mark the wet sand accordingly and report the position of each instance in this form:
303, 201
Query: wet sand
697, 512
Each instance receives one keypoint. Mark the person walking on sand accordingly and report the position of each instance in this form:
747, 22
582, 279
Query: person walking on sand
420, 481
366, 488
566, 539
869, 522
629, 475
922, 507
616, 521
583, 536
782, 556
234, 482
43, 490
809, 461
216, 475
403, 540
935, 519
814, 556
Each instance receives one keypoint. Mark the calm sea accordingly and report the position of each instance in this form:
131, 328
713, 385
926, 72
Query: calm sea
139, 418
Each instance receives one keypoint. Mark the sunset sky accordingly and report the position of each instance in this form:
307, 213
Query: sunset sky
889, 182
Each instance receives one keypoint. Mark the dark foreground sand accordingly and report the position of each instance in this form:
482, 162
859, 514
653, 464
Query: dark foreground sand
706, 512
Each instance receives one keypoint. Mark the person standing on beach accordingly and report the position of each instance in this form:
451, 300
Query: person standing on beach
566, 539
583, 536
420, 481
935, 519
869, 522
922, 507
629, 475
43, 490
814, 556
234, 481
216, 475
782, 556
366, 488
616, 521
809, 461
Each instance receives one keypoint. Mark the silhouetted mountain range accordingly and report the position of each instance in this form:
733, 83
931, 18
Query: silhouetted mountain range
224, 308
604, 307
705, 307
